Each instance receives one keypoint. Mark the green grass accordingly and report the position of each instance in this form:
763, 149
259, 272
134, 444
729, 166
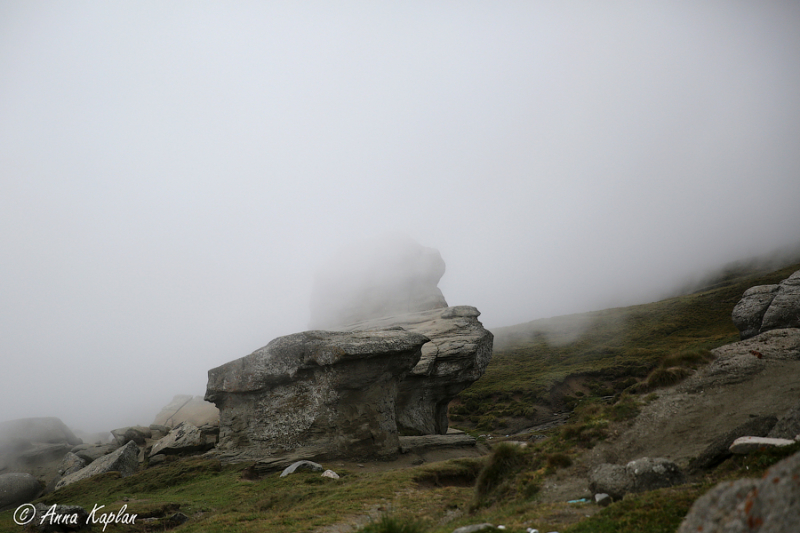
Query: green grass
612, 349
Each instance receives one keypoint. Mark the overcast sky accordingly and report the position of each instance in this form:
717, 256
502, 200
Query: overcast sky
172, 173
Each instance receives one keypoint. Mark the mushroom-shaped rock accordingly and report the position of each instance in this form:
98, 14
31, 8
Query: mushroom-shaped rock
456, 356
332, 392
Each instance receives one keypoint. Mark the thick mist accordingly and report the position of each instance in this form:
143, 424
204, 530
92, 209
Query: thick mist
173, 175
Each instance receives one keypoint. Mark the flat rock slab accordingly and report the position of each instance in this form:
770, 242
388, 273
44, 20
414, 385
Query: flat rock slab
302, 465
422, 443
185, 438
745, 445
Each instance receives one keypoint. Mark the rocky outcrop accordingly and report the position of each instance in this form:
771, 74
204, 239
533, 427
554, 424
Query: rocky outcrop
637, 476
767, 307
316, 393
17, 488
35, 446
377, 279
769, 504
719, 449
124, 460
788, 425
45, 430
187, 408
456, 356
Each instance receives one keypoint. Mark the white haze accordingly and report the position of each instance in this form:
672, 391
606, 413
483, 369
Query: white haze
171, 173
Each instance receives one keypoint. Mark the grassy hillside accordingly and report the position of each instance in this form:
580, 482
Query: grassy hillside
604, 352
570, 363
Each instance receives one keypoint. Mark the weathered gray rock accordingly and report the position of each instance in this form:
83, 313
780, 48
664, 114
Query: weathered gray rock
331, 474
124, 460
92, 453
637, 476
49, 430
456, 356
302, 465
381, 278
745, 445
421, 443
333, 392
719, 449
186, 408
70, 464
138, 434
787, 426
17, 488
767, 307
767, 505
184, 438
59, 518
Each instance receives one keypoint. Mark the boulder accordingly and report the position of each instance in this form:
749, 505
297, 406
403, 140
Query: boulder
138, 434
456, 356
92, 453
767, 307
49, 430
186, 408
386, 277
766, 505
787, 426
719, 449
124, 460
475, 528
640, 475
745, 445
70, 464
602, 499
331, 474
17, 488
59, 518
185, 438
302, 465
327, 393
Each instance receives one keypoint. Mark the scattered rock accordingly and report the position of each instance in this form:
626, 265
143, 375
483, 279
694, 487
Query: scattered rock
788, 426
331, 474
745, 445
456, 356
382, 278
602, 499
124, 460
769, 504
767, 307
184, 438
70, 464
17, 488
475, 528
302, 465
641, 475
333, 392
719, 449
59, 518
92, 453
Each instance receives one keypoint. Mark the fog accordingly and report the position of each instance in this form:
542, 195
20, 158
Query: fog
172, 174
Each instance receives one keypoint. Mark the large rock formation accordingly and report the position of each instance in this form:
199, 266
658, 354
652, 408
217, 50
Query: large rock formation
187, 408
767, 307
332, 393
456, 356
35, 446
770, 504
376, 279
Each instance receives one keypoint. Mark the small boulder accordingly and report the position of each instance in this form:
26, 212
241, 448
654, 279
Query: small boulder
602, 499
331, 474
302, 465
124, 460
70, 464
17, 488
637, 476
788, 426
92, 453
475, 528
745, 445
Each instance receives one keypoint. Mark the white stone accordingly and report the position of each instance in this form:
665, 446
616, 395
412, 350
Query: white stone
331, 474
745, 445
